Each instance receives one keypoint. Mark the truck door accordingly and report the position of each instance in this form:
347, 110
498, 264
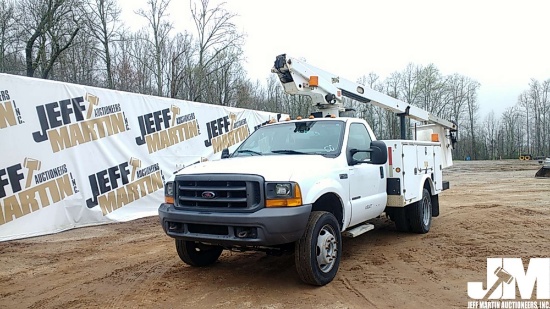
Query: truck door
367, 181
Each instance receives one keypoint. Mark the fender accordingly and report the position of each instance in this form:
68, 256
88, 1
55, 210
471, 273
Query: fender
427, 177
433, 194
329, 185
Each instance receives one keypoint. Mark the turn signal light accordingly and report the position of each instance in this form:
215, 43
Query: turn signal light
314, 81
435, 137
296, 200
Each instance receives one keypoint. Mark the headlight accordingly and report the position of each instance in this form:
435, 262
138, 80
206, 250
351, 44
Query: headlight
283, 189
280, 194
169, 192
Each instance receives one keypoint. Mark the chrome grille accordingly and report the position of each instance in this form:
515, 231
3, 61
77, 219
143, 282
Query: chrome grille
219, 191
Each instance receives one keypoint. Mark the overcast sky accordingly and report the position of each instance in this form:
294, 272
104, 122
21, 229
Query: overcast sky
501, 44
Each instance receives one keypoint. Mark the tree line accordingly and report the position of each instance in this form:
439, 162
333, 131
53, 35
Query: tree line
86, 42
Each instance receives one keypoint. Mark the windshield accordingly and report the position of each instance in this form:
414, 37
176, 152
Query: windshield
305, 137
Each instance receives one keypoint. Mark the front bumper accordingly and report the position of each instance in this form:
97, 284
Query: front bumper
265, 227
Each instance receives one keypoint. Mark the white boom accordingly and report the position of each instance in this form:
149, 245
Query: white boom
327, 91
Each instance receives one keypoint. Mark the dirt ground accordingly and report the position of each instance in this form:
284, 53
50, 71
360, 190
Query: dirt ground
494, 209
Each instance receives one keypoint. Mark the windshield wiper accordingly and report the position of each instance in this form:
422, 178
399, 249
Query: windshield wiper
249, 151
288, 151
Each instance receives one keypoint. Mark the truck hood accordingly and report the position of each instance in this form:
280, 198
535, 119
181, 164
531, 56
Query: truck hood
272, 168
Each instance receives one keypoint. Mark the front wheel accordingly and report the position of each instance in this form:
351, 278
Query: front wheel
318, 252
196, 253
420, 214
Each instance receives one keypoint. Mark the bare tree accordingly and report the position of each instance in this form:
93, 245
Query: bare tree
491, 125
79, 63
393, 89
431, 88
511, 124
180, 50
156, 16
219, 44
409, 83
102, 20
545, 117
472, 107
8, 37
50, 27
274, 94
122, 68
524, 101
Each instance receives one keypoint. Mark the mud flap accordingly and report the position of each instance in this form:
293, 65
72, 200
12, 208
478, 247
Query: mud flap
435, 205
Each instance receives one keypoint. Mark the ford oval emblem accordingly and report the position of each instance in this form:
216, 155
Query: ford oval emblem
208, 194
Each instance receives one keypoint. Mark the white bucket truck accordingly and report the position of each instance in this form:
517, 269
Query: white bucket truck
299, 186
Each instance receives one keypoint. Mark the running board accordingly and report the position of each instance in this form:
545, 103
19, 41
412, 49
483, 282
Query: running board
358, 230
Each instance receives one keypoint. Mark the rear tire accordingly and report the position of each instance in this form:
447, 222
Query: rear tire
197, 254
318, 252
420, 214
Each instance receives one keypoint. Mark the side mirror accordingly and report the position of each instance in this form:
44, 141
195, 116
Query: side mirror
378, 152
225, 153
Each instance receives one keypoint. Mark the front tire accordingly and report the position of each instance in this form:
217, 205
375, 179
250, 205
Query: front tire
420, 214
197, 254
318, 252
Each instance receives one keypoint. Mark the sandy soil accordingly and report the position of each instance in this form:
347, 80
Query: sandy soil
494, 209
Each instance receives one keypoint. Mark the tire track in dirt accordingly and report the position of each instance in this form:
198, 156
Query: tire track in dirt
350, 287
136, 280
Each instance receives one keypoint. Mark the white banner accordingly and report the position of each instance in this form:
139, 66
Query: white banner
74, 155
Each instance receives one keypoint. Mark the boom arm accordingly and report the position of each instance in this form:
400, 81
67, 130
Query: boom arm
327, 91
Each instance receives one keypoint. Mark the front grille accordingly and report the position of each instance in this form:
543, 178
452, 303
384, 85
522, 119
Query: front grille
222, 191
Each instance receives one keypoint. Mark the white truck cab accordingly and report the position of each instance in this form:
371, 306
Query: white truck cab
299, 186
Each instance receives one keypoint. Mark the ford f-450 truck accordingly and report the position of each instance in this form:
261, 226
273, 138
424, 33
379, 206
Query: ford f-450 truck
299, 186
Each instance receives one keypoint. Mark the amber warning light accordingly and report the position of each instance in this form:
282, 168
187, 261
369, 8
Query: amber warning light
314, 81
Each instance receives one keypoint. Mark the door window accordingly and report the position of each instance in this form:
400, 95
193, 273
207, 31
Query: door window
359, 139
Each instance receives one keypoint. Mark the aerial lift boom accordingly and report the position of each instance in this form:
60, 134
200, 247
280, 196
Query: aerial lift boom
327, 91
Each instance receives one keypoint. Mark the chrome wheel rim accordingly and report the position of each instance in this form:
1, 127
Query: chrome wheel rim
326, 248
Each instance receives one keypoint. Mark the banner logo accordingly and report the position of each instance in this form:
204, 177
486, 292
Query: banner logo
50, 186
504, 275
9, 112
123, 184
225, 132
162, 129
64, 125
